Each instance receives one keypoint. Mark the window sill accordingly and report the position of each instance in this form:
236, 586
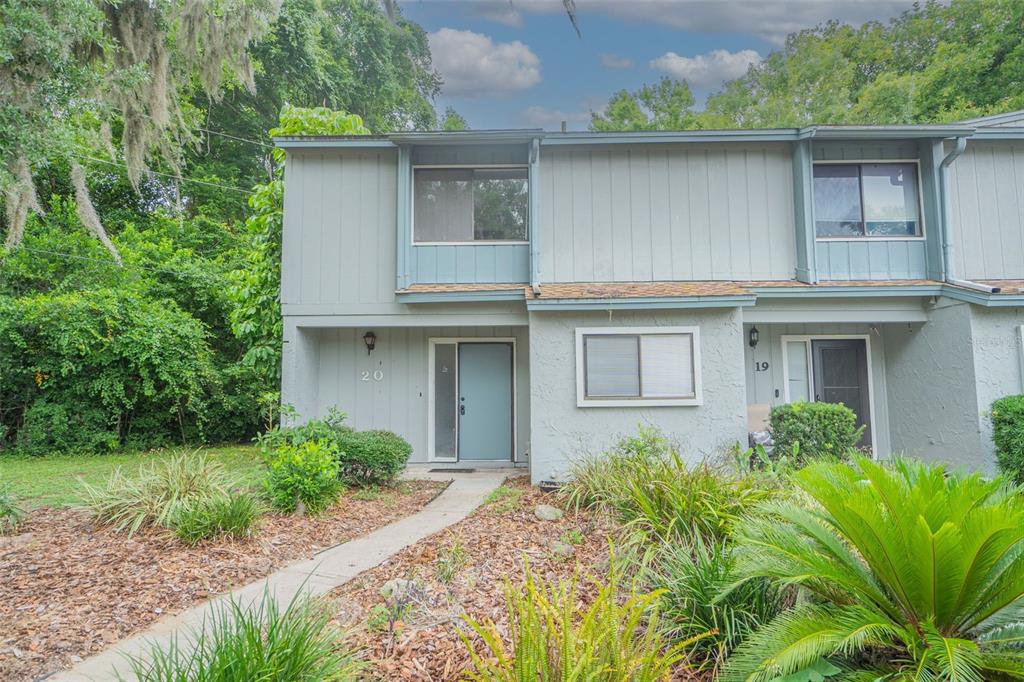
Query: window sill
641, 402
870, 239
490, 242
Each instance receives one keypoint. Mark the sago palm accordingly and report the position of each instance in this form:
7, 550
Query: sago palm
910, 573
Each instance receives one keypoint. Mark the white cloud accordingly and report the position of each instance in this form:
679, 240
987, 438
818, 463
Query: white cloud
771, 20
504, 13
551, 119
614, 61
706, 70
473, 65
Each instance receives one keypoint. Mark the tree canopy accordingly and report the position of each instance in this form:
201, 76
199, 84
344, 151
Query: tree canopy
933, 63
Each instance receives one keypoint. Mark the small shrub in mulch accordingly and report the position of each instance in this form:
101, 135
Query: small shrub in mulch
303, 476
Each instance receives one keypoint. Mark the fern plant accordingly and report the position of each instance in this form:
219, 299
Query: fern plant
616, 638
911, 572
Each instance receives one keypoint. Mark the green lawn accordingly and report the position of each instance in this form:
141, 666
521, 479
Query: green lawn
56, 480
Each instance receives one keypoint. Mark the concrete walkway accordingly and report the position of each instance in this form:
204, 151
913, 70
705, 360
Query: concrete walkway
319, 575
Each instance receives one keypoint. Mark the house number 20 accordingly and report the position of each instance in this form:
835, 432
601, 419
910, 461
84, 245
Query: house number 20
376, 375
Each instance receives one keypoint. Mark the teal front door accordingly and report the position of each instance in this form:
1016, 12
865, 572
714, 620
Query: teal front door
485, 401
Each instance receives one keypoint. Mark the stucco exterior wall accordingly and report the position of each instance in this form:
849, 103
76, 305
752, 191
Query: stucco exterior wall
562, 432
998, 367
933, 407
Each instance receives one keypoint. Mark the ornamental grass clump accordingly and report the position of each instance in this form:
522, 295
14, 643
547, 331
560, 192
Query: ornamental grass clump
261, 642
616, 637
233, 516
910, 572
647, 485
160, 492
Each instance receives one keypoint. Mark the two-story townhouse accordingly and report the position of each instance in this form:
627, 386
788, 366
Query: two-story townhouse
524, 297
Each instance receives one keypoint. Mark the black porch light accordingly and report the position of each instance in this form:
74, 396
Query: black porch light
754, 337
370, 339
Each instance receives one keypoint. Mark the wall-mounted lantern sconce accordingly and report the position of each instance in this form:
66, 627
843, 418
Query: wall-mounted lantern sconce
754, 337
370, 339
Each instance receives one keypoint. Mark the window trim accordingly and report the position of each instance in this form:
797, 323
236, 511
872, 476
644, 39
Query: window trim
581, 395
864, 162
471, 166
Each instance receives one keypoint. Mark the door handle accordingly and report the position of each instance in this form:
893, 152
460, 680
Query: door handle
462, 409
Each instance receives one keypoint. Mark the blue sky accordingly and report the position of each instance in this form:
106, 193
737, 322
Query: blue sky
518, 63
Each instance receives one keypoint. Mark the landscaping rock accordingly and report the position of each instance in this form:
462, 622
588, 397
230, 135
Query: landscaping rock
561, 549
545, 512
399, 589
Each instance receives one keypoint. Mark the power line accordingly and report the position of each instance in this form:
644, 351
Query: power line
168, 175
233, 137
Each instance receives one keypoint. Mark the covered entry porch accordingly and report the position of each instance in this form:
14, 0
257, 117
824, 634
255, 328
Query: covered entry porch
829, 350
459, 394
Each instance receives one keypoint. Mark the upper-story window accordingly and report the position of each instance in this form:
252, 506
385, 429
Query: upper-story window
854, 200
468, 205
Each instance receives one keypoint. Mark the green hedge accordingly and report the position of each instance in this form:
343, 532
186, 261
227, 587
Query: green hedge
814, 430
1008, 435
373, 457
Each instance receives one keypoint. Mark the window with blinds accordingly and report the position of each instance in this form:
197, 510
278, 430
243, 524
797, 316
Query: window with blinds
623, 366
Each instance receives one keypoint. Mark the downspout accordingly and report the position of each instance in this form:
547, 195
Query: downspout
535, 235
948, 267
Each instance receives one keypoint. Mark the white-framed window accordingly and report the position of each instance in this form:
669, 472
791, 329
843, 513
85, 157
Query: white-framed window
465, 205
638, 366
867, 200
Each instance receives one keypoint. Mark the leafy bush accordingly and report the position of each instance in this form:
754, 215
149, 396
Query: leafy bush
160, 493
809, 431
372, 457
913, 572
617, 637
299, 644
89, 370
327, 431
306, 474
232, 516
1008, 435
700, 595
645, 483
11, 515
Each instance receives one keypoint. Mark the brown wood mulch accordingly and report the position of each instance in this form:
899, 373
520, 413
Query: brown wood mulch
69, 588
423, 643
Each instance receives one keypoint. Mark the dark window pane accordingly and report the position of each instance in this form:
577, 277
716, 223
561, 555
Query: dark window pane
837, 210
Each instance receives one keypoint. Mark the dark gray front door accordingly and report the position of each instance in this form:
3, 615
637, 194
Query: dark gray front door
485, 401
841, 376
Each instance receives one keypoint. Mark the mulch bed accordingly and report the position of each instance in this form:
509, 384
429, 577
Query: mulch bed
498, 538
69, 589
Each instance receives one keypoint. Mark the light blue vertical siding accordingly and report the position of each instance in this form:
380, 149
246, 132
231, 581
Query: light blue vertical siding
987, 191
338, 245
659, 212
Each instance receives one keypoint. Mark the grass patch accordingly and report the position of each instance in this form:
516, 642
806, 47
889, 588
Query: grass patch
504, 499
55, 481
451, 560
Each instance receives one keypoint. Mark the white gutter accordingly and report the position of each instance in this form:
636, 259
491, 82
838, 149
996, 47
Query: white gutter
948, 267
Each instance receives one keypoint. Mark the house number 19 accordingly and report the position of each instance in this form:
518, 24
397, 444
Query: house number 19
761, 366
376, 375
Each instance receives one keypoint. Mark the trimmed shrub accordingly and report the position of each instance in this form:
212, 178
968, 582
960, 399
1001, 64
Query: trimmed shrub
261, 642
1008, 435
372, 457
811, 431
233, 516
306, 474
160, 493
